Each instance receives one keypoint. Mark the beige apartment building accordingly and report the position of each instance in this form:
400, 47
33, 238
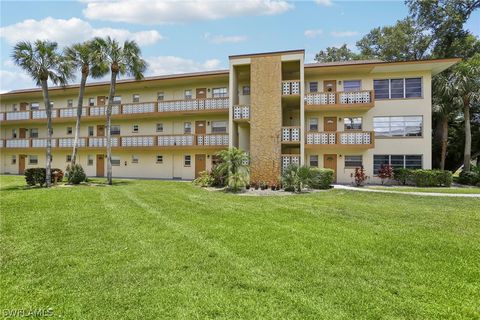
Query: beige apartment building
278, 109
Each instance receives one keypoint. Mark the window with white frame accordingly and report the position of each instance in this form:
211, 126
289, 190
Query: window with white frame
352, 85
115, 161
353, 161
135, 128
187, 127
246, 90
352, 123
89, 160
69, 130
399, 88
69, 103
14, 159
33, 132
219, 126
135, 97
397, 161
14, 107
32, 159
69, 158
220, 92
117, 100
159, 159
398, 126
135, 158
313, 86
91, 102
188, 94
314, 161
187, 160
90, 131
159, 127
160, 96
34, 106
313, 124
115, 130
14, 133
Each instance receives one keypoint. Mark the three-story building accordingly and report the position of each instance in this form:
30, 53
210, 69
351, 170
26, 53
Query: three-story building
281, 111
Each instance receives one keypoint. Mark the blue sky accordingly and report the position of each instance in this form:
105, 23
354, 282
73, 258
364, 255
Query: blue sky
181, 36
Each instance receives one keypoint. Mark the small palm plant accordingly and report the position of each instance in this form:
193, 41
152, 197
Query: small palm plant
234, 163
43, 62
296, 178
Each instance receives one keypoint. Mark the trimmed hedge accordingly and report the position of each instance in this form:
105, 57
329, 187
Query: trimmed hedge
321, 178
423, 177
471, 178
34, 176
75, 174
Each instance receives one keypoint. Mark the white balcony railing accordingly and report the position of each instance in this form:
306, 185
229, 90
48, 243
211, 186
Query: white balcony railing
321, 138
175, 140
320, 98
18, 115
68, 142
72, 112
241, 112
42, 143
355, 137
288, 159
101, 142
147, 141
145, 107
42, 114
291, 134
290, 87
18, 143
193, 105
355, 97
212, 139
100, 111
350, 97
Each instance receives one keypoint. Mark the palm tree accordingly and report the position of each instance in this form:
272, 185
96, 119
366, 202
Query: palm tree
466, 84
42, 61
84, 57
234, 162
121, 60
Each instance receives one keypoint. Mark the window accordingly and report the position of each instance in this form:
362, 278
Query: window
117, 100
313, 161
32, 160
187, 127
115, 161
115, 130
34, 133
404, 126
313, 124
160, 96
352, 85
69, 158
14, 107
397, 161
398, 88
91, 102
14, 159
353, 161
34, 106
69, 103
352, 123
219, 126
159, 159
135, 128
246, 90
89, 160
134, 159
313, 86
187, 161
159, 127
90, 131
69, 130
136, 97
14, 133
220, 92
188, 94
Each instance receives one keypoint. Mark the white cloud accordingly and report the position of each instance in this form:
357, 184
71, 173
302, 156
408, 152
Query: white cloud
162, 65
344, 33
219, 39
69, 31
10, 80
313, 33
326, 3
179, 11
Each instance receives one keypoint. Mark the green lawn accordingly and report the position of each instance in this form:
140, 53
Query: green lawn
157, 249
463, 190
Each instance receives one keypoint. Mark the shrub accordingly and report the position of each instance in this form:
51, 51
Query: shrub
469, 177
431, 178
295, 178
204, 180
37, 176
359, 176
402, 176
321, 178
385, 172
219, 176
444, 178
75, 174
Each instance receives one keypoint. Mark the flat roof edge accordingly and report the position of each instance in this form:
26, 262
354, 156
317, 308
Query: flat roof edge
302, 51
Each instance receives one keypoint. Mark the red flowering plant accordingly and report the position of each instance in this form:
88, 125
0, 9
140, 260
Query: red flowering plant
385, 172
359, 176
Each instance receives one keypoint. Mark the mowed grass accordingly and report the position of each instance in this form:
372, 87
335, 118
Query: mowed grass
159, 249
455, 190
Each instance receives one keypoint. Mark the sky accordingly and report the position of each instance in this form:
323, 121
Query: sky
187, 36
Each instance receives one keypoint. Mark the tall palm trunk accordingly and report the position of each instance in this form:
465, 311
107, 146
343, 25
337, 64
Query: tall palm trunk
468, 135
113, 82
79, 113
444, 142
48, 109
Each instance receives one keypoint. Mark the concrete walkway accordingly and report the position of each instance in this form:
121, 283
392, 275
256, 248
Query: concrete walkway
433, 194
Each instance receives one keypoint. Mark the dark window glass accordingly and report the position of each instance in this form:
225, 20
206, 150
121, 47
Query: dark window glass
381, 88
396, 88
413, 87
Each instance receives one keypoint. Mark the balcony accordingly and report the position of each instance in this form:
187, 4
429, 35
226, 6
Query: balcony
241, 113
133, 110
354, 140
333, 101
291, 135
288, 159
214, 140
291, 88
